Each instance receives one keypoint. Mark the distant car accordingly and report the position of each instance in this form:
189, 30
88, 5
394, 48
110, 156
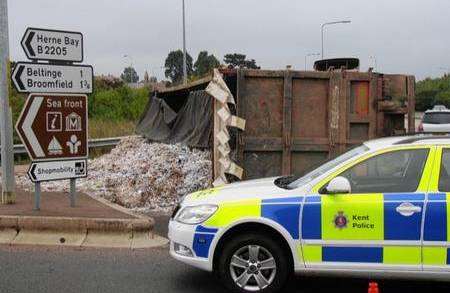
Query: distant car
381, 209
436, 120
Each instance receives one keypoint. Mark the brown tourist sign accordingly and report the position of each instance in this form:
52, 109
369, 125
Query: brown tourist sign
54, 127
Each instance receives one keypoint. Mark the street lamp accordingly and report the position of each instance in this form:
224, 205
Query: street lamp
131, 59
184, 47
332, 23
309, 55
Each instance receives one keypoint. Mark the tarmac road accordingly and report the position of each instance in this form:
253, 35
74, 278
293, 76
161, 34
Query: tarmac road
56, 269
64, 269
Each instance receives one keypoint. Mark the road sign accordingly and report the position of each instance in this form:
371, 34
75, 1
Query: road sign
54, 127
57, 170
47, 78
53, 45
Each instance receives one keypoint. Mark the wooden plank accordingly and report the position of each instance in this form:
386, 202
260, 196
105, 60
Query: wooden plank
411, 102
287, 122
189, 86
311, 74
241, 112
344, 109
262, 73
380, 115
273, 144
262, 144
334, 116
373, 86
217, 169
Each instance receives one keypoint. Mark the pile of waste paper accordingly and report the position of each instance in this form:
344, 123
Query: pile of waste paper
142, 176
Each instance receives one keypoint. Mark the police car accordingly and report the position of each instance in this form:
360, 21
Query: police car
378, 210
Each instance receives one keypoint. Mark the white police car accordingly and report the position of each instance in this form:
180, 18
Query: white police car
379, 209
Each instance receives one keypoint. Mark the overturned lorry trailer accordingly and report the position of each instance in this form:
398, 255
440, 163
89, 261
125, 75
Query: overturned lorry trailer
294, 120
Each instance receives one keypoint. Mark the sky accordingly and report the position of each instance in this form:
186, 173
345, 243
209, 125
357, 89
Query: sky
403, 36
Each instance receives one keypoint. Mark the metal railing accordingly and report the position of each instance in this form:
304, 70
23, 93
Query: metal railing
19, 149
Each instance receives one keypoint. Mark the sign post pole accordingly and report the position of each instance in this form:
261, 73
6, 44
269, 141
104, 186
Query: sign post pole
6, 138
37, 196
72, 192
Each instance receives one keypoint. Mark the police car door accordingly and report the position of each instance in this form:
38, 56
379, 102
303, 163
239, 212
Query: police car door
378, 224
436, 236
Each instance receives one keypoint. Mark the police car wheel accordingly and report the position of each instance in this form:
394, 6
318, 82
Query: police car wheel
253, 263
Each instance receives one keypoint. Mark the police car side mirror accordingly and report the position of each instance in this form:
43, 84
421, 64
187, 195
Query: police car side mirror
338, 185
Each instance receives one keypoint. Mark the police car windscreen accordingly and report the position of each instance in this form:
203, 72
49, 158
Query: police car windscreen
437, 118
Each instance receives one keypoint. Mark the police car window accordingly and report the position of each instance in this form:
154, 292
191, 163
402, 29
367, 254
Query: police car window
396, 171
444, 176
328, 166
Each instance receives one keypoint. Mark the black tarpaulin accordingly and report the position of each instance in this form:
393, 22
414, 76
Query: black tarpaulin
191, 125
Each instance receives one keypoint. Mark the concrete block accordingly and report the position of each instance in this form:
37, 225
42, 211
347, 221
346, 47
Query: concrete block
51, 223
9, 222
147, 240
7, 235
96, 238
50, 237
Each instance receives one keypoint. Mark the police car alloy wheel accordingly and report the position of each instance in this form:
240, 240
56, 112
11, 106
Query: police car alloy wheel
253, 263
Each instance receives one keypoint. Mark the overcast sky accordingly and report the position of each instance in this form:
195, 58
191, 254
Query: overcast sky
406, 36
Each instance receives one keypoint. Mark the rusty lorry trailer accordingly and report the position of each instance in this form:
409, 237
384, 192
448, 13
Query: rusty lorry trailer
295, 120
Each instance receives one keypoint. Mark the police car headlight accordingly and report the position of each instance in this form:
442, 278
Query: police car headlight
195, 214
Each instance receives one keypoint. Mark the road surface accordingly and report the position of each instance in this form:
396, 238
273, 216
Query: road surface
55, 269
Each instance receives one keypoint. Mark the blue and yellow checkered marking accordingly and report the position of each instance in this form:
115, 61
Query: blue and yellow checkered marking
284, 211
352, 254
435, 228
203, 238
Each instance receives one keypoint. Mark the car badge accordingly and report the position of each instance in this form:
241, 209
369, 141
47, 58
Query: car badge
340, 221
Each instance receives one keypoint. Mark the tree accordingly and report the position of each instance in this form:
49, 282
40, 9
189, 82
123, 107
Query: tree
174, 66
239, 60
129, 75
432, 91
205, 63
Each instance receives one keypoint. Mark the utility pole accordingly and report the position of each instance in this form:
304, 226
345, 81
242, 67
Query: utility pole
184, 47
6, 137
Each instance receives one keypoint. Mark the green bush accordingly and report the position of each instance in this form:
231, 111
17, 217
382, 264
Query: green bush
433, 91
122, 103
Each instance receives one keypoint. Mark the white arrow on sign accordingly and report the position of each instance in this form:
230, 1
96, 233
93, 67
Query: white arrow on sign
57, 170
47, 78
28, 131
53, 45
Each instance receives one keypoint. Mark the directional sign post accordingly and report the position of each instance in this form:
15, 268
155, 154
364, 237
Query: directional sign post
49, 78
53, 124
57, 170
53, 45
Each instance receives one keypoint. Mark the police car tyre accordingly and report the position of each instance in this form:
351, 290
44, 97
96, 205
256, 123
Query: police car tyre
272, 264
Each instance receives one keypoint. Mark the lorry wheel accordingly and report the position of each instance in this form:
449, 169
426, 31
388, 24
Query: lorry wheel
253, 263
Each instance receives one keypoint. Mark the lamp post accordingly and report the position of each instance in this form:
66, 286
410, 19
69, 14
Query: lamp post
129, 57
332, 23
309, 55
6, 136
184, 46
